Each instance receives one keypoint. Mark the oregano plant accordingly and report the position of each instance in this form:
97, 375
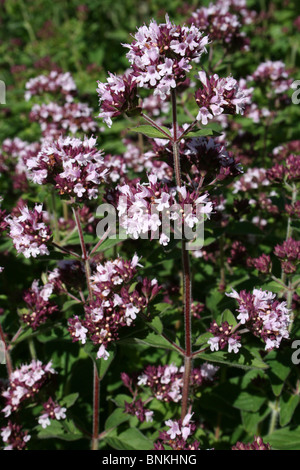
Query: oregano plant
152, 293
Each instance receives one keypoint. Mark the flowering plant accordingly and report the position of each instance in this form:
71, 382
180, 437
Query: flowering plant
149, 249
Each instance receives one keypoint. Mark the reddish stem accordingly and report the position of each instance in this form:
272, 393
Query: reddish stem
96, 399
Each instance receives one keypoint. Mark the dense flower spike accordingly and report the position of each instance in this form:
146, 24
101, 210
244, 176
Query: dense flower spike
39, 306
115, 306
118, 96
165, 382
254, 178
25, 382
155, 106
209, 159
74, 166
223, 336
221, 25
52, 410
257, 444
178, 434
262, 263
3, 222
56, 120
289, 255
139, 206
137, 408
217, 96
29, 232
13, 156
289, 171
14, 437
161, 55
262, 314
56, 82
275, 73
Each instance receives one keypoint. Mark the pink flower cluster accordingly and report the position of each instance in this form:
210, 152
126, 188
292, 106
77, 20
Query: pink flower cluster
262, 263
29, 232
13, 156
74, 166
56, 120
220, 25
137, 408
275, 73
140, 204
209, 158
217, 96
56, 82
223, 336
14, 437
52, 410
165, 382
116, 305
289, 255
257, 444
262, 314
177, 435
25, 382
254, 178
39, 305
161, 55
118, 96
289, 171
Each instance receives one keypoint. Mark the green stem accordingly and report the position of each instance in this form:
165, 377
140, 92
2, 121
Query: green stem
84, 252
32, 348
274, 416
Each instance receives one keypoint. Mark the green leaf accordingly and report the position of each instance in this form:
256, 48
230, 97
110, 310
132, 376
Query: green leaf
152, 132
203, 133
284, 439
202, 339
131, 439
120, 399
251, 420
69, 400
68, 304
117, 417
279, 369
162, 307
64, 430
288, 404
243, 360
156, 341
157, 325
228, 316
109, 243
249, 401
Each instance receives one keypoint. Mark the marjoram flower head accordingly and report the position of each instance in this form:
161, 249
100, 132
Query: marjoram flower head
29, 232
74, 166
161, 55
